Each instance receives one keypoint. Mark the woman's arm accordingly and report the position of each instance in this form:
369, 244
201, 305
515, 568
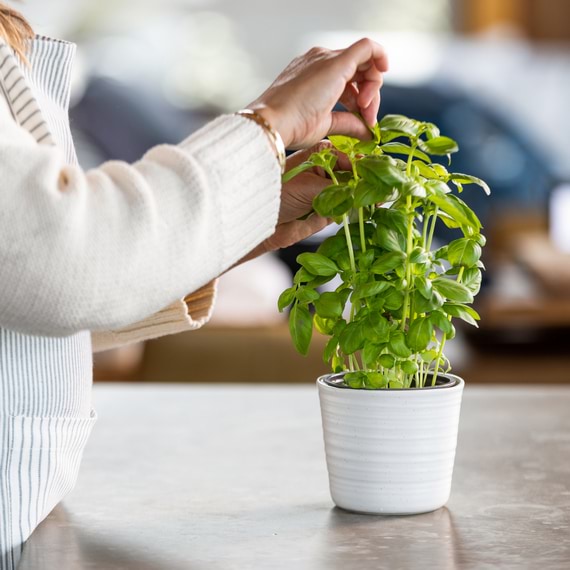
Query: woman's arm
105, 248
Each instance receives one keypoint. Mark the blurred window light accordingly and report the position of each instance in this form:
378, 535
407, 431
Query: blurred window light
407, 15
415, 57
559, 217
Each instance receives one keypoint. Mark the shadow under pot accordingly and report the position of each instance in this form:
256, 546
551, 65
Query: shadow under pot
390, 451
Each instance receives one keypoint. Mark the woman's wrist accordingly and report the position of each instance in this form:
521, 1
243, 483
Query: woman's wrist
273, 134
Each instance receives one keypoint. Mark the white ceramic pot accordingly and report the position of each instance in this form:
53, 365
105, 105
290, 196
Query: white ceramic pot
390, 451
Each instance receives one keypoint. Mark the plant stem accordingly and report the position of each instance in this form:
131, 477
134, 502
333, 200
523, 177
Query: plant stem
330, 172
349, 243
432, 229
424, 231
409, 247
440, 351
414, 145
361, 227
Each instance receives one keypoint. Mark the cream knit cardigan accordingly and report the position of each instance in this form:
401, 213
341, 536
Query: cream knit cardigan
115, 250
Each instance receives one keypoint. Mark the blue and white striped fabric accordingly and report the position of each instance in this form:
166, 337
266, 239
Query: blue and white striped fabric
45, 383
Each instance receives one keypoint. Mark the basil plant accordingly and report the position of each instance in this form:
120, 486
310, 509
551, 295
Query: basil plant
390, 316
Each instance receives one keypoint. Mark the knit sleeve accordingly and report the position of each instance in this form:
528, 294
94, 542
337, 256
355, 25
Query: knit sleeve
103, 249
186, 314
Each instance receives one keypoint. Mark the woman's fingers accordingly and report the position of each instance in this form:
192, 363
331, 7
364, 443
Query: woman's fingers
298, 104
347, 124
349, 98
370, 113
364, 53
289, 233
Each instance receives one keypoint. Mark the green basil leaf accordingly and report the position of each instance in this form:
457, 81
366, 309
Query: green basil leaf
472, 280
394, 299
302, 276
325, 158
393, 219
453, 207
413, 188
365, 147
423, 285
371, 351
301, 328
429, 355
374, 380
390, 239
380, 170
366, 194
480, 239
370, 289
306, 295
330, 349
386, 361
329, 305
337, 363
376, 328
425, 170
419, 255
452, 290
319, 280
333, 246
324, 325
351, 339
400, 123
463, 252
468, 179
467, 314
437, 187
398, 346
409, 366
430, 130
440, 321
333, 201
439, 146
343, 143
317, 264
401, 148
286, 298
441, 170
387, 262
296, 170
355, 379
423, 305
365, 259
420, 332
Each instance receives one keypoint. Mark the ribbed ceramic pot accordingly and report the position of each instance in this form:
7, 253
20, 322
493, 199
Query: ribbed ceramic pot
390, 452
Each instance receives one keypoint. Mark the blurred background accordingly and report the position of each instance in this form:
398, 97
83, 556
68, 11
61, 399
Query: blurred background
493, 74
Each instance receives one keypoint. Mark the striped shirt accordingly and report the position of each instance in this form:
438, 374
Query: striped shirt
45, 382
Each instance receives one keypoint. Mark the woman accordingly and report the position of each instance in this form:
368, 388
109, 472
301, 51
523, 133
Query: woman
127, 252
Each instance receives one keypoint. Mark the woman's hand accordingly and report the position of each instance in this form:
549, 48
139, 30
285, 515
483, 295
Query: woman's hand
299, 103
296, 201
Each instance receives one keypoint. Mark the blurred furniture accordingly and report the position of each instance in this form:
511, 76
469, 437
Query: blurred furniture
534, 19
179, 477
232, 354
525, 309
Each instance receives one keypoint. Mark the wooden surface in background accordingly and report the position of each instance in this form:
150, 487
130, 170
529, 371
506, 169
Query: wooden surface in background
541, 20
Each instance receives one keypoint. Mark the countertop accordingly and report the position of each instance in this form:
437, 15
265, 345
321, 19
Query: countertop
234, 477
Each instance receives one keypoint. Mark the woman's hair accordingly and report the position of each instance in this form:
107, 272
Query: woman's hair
15, 29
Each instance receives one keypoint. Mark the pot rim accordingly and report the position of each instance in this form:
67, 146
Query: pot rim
456, 382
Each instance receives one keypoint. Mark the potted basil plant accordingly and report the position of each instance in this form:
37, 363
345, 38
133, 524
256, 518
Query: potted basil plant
390, 407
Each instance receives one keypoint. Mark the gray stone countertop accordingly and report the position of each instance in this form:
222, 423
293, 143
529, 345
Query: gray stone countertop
234, 477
